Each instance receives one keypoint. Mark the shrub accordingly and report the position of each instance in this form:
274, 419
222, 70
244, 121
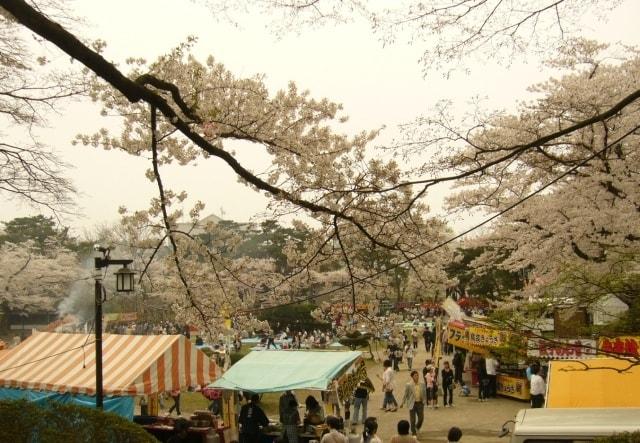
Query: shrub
22, 421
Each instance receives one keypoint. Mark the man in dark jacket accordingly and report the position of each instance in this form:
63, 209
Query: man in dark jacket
252, 419
458, 367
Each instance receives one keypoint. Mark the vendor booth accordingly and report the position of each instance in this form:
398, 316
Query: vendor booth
593, 383
279, 371
479, 339
61, 367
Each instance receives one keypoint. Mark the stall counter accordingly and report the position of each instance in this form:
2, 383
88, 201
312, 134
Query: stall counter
514, 386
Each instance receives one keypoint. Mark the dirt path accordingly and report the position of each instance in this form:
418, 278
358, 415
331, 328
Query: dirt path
480, 422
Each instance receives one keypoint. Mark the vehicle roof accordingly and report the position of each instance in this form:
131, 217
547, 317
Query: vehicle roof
577, 421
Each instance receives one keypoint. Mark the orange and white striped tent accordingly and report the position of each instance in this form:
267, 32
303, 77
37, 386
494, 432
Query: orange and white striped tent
131, 364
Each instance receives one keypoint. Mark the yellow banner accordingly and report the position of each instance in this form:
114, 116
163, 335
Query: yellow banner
474, 338
512, 386
486, 337
627, 346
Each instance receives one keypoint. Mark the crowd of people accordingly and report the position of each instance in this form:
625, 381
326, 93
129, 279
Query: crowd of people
427, 382
314, 339
419, 393
146, 328
252, 419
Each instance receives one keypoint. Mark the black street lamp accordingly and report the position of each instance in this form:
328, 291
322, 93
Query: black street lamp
124, 283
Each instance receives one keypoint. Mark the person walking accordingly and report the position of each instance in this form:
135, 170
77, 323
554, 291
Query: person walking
387, 387
175, 395
447, 385
415, 395
433, 339
360, 400
426, 335
432, 386
414, 338
409, 354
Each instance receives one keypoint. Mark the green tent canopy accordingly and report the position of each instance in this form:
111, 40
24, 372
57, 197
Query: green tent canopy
276, 371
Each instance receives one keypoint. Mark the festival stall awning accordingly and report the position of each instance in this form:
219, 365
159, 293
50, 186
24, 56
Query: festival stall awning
593, 383
132, 364
276, 371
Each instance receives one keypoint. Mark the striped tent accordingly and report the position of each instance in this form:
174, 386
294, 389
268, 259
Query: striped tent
132, 364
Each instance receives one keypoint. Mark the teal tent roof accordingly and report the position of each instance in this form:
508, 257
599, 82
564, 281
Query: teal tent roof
275, 371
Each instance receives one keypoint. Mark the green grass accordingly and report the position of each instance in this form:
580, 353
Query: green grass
189, 402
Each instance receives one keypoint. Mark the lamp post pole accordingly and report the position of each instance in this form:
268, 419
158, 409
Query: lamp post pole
98, 344
124, 283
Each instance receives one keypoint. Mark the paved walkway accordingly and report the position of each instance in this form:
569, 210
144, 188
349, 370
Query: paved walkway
480, 422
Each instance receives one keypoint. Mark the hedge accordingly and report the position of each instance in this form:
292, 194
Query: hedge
22, 421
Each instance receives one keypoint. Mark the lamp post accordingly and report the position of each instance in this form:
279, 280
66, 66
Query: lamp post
124, 283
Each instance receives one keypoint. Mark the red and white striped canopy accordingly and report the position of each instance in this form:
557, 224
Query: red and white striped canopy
131, 364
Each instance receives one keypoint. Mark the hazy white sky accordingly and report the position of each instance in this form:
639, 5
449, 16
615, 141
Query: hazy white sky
378, 85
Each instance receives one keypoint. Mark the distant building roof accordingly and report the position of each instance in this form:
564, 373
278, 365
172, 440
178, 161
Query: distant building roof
200, 226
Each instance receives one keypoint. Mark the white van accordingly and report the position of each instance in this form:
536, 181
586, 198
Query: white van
575, 425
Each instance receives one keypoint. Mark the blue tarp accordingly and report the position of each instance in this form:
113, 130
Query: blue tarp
275, 371
119, 405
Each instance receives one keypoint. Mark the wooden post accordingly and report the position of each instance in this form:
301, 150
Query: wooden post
154, 407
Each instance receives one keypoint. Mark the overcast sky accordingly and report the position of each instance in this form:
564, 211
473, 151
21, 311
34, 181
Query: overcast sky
378, 85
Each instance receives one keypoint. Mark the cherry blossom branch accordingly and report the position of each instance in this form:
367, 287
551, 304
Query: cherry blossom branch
519, 149
15, 274
167, 224
135, 92
586, 367
348, 263
153, 254
467, 231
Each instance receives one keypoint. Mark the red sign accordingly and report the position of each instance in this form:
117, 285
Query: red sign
628, 346
562, 349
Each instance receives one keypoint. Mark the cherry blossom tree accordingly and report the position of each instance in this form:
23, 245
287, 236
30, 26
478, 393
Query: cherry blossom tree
569, 208
33, 281
585, 183
182, 110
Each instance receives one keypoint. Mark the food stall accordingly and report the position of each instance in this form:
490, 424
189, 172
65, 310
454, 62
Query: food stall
479, 338
61, 367
279, 371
